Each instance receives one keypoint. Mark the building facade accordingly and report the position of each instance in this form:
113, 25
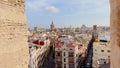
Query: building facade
101, 53
38, 52
67, 52
65, 56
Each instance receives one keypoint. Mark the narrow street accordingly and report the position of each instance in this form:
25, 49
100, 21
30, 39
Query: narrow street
88, 60
49, 59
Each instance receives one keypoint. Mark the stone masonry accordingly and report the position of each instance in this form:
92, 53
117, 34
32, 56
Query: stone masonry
115, 33
14, 51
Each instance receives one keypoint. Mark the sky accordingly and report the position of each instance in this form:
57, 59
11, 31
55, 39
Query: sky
65, 13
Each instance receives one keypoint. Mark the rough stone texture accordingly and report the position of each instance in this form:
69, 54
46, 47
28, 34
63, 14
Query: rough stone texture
115, 33
13, 35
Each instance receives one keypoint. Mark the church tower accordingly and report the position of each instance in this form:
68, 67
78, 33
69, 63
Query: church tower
52, 27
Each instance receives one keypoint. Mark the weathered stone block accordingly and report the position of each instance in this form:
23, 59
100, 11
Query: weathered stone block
115, 33
14, 51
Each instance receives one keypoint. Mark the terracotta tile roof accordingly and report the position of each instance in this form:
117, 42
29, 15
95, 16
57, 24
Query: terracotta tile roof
58, 44
71, 45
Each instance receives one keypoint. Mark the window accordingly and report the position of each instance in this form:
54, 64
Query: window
71, 65
102, 50
58, 60
59, 66
64, 60
71, 60
108, 57
64, 53
58, 54
71, 49
108, 51
71, 54
64, 65
76, 55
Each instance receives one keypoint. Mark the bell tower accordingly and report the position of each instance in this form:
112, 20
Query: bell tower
52, 27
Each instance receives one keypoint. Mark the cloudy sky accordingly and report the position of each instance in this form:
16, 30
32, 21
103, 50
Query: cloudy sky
67, 12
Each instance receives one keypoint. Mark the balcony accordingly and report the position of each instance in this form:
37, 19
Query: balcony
71, 54
71, 60
58, 60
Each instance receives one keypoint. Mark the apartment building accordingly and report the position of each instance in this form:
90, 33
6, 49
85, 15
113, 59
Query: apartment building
101, 53
38, 51
66, 52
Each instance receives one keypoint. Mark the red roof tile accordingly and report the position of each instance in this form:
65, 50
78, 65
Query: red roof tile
58, 45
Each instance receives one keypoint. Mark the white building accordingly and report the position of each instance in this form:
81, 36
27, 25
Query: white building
37, 54
34, 58
101, 52
67, 52
65, 56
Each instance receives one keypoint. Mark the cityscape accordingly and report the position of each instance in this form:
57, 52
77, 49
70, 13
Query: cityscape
59, 34
84, 47
68, 34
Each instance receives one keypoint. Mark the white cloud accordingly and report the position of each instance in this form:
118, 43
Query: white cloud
52, 9
75, 6
36, 4
42, 5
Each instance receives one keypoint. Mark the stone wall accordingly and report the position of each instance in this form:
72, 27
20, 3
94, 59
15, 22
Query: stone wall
13, 35
115, 33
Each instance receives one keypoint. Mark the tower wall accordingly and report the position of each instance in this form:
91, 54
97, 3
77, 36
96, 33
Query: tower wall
115, 33
13, 34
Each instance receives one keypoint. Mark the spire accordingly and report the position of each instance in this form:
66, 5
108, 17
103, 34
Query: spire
52, 26
52, 23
